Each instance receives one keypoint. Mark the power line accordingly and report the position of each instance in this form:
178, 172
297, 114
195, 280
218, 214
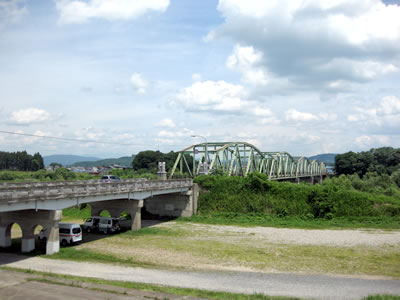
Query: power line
76, 140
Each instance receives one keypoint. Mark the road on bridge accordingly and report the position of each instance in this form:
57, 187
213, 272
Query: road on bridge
273, 284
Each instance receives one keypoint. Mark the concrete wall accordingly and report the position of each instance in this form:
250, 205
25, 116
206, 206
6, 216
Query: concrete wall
174, 205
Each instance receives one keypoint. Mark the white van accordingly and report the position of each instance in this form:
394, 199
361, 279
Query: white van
102, 224
69, 233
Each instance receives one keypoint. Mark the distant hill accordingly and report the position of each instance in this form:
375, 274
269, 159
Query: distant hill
327, 158
123, 161
66, 160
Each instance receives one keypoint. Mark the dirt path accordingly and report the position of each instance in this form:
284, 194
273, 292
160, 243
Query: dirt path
274, 284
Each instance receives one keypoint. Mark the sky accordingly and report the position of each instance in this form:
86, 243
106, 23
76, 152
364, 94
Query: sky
302, 76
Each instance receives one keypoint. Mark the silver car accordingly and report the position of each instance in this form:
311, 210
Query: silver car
110, 178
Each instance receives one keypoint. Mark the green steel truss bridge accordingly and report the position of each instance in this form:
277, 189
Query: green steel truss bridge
240, 159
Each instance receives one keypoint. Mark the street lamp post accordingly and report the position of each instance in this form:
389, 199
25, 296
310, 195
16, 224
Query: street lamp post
206, 152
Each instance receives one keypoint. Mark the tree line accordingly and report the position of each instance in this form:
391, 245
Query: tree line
385, 160
21, 161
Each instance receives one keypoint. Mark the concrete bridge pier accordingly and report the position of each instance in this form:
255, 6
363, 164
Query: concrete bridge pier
174, 205
28, 220
116, 207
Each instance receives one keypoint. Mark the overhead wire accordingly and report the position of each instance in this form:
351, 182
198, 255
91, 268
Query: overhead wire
80, 140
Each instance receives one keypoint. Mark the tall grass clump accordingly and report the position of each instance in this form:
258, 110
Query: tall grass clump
255, 194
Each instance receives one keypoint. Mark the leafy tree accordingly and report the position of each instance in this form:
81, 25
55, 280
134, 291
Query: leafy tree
39, 160
383, 160
396, 177
147, 161
55, 165
21, 161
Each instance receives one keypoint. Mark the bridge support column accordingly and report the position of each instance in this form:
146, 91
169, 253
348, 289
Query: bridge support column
28, 220
115, 207
28, 239
5, 236
136, 215
53, 241
174, 205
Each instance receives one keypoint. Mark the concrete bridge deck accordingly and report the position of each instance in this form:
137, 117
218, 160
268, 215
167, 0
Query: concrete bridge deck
41, 203
63, 194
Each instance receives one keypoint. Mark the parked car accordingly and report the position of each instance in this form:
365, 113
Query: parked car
102, 224
110, 178
69, 233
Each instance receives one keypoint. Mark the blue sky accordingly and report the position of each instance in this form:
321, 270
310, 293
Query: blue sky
305, 77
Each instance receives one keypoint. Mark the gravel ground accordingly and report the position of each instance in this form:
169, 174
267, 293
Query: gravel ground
328, 237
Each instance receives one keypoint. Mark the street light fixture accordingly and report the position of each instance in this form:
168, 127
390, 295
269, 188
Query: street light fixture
206, 152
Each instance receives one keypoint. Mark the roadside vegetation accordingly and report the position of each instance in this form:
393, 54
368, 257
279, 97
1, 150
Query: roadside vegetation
255, 200
62, 174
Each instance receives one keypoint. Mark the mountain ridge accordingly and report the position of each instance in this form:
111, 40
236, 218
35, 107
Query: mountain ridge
66, 159
327, 158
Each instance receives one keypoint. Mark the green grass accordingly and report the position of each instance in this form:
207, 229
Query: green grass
146, 287
206, 248
84, 255
76, 281
251, 219
382, 297
37, 176
76, 213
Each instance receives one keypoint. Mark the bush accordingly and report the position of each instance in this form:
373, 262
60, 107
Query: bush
7, 176
256, 194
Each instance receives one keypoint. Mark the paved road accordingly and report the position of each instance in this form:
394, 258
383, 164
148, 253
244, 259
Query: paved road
280, 284
17, 286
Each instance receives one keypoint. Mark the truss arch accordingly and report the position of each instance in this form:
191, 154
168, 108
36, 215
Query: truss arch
240, 159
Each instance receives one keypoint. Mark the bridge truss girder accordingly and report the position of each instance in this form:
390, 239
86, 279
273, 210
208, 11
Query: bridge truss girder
240, 159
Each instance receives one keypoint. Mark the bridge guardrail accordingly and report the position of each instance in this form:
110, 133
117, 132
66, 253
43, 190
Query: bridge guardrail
17, 192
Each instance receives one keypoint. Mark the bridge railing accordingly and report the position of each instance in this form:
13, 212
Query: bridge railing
17, 192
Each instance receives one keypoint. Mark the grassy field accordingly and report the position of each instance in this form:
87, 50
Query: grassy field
205, 247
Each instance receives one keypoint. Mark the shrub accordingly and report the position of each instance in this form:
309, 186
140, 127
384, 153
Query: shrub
255, 194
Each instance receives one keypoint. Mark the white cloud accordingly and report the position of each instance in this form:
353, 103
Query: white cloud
319, 45
363, 70
389, 105
166, 123
77, 11
294, 115
246, 60
196, 77
209, 37
368, 141
139, 83
223, 97
212, 96
11, 11
30, 115
89, 133
386, 111
306, 138
185, 132
250, 63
